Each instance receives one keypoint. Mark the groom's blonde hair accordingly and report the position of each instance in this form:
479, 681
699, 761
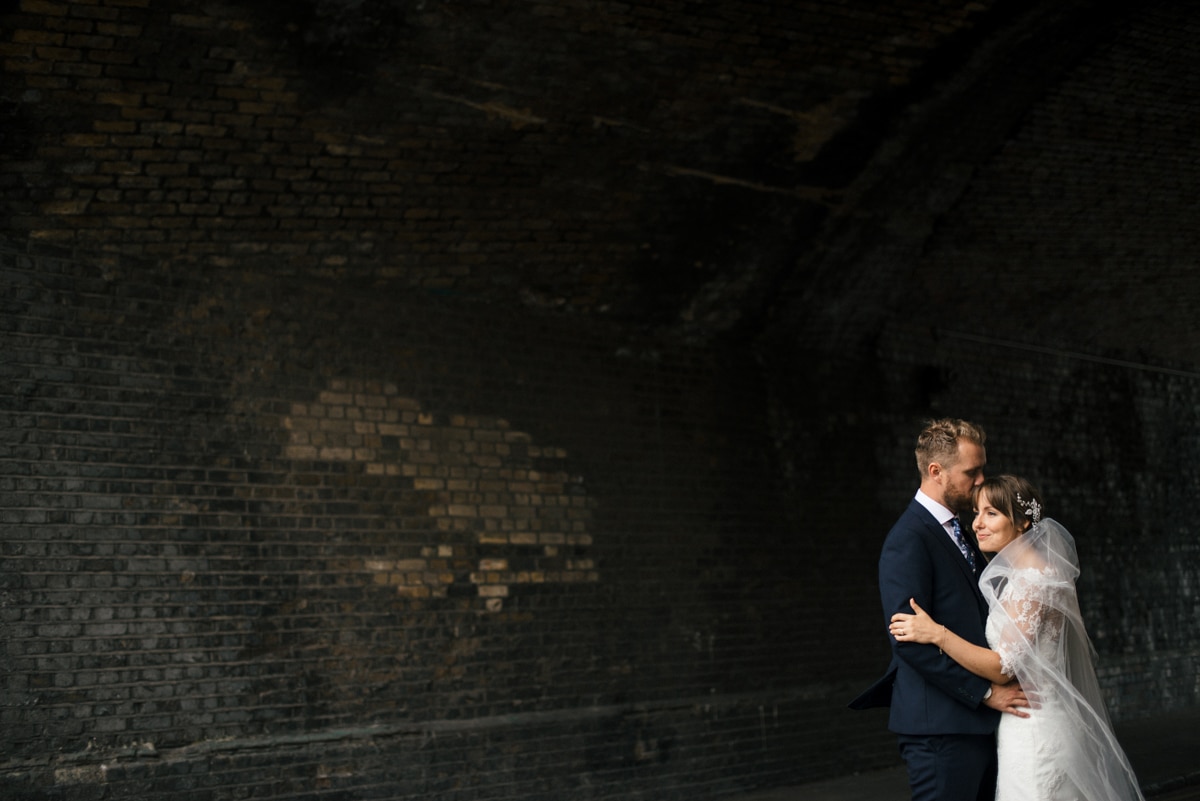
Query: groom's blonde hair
938, 442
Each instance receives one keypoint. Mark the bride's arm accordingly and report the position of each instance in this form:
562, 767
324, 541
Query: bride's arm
922, 628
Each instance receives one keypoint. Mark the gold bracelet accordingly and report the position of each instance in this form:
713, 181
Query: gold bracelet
940, 651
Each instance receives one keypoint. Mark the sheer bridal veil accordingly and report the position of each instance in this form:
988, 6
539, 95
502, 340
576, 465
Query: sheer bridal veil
1030, 590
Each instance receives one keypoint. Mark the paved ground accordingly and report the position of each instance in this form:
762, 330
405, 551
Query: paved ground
1165, 753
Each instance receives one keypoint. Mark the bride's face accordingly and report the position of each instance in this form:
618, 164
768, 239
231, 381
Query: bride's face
992, 527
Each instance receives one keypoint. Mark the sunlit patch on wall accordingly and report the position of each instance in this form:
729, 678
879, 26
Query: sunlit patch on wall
508, 509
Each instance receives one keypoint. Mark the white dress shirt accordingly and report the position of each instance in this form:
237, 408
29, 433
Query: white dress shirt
940, 513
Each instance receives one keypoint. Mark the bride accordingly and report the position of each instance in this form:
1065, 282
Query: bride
1065, 750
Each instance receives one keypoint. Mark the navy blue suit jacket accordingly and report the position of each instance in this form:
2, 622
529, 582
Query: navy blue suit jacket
928, 692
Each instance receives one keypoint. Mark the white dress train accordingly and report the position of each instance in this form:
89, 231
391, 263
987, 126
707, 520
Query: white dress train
1065, 750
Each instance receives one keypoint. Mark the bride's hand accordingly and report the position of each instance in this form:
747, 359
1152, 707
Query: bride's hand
919, 627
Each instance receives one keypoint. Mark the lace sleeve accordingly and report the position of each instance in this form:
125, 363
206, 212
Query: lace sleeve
1033, 624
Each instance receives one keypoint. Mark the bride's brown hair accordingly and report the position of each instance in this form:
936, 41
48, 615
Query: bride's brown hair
1015, 497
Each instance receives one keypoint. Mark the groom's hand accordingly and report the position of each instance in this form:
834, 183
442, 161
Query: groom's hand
1008, 698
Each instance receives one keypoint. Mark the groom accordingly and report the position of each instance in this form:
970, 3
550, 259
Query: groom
944, 716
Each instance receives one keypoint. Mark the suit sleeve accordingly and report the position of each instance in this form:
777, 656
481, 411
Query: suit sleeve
907, 569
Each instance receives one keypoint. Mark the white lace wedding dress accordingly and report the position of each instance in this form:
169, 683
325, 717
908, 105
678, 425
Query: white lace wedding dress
1031, 749
1065, 750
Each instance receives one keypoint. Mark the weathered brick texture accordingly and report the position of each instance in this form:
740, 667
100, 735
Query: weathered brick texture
425, 145
402, 401
268, 536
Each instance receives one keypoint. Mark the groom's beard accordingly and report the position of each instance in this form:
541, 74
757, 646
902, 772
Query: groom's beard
959, 503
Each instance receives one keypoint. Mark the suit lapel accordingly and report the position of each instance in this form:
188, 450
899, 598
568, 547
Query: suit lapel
935, 532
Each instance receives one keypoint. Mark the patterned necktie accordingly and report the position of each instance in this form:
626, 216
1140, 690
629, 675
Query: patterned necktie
962, 543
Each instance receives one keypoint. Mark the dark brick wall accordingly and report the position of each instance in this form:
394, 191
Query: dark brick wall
589, 148
349, 448
1049, 300
196, 603
265, 534
1113, 447
1079, 232
1075, 313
